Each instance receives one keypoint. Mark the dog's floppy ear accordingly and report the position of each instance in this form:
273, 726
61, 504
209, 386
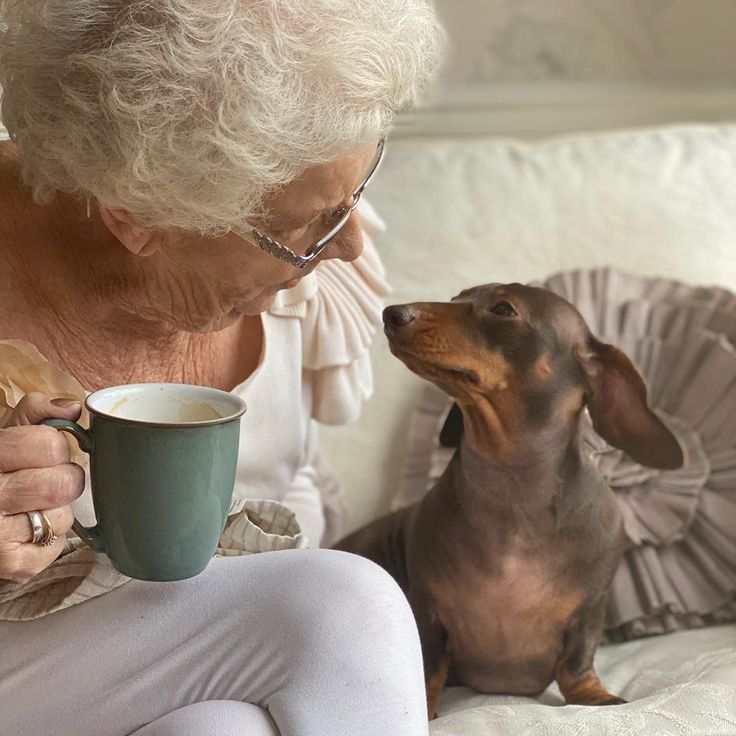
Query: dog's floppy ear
453, 428
617, 402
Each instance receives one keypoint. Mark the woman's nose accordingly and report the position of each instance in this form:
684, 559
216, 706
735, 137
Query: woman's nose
347, 245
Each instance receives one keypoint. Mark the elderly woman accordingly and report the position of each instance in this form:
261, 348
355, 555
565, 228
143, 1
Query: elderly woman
178, 203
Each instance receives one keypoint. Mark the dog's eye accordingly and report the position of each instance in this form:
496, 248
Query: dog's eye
504, 309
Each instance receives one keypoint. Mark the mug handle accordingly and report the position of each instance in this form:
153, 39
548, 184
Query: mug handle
90, 534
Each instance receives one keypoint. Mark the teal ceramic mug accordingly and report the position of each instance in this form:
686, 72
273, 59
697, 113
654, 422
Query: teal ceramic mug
162, 466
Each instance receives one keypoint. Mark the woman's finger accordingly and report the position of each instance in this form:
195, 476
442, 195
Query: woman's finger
32, 447
21, 562
18, 527
40, 488
34, 407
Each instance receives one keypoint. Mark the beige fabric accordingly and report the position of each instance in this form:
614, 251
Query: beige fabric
80, 574
24, 370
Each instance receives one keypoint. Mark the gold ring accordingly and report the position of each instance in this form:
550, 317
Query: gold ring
49, 536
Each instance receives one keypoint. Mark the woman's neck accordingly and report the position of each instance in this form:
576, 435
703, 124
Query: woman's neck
73, 267
86, 303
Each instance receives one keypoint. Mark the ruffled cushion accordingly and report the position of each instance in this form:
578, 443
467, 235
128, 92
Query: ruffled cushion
339, 305
681, 569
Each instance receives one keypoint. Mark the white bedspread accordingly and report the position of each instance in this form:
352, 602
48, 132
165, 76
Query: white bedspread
682, 684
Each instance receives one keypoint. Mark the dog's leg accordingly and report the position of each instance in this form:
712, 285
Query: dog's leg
436, 685
434, 652
574, 673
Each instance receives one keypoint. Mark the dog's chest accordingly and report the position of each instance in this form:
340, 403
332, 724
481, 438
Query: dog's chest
506, 625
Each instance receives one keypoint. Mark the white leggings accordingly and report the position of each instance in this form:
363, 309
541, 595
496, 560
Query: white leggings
294, 643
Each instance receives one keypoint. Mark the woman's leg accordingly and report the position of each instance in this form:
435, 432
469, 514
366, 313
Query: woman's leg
323, 641
214, 718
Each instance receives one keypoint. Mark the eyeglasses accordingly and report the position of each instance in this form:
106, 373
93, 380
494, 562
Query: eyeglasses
339, 216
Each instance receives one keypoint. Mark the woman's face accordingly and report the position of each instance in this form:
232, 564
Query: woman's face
230, 276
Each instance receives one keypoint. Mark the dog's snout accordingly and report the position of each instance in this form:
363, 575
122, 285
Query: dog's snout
397, 316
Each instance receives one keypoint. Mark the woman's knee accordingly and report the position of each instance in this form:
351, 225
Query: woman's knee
221, 717
350, 604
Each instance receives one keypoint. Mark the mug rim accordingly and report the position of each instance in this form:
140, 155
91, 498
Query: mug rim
224, 395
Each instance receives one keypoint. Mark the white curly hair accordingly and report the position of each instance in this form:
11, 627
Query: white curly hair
187, 113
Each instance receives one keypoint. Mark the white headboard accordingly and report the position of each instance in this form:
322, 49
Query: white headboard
542, 109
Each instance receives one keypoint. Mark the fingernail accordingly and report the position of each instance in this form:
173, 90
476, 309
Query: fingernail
65, 403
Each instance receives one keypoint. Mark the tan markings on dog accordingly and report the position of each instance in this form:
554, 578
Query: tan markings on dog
495, 415
491, 368
435, 686
586, 689
542, 367
507, 636
485, 431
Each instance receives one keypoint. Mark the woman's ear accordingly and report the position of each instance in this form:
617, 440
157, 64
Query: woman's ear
617, 402
141, 241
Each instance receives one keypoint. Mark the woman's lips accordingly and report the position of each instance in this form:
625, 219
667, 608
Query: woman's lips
290, 284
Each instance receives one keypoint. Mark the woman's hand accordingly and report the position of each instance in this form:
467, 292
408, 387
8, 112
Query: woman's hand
35, 475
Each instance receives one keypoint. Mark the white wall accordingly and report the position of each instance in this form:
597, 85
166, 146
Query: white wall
521, 40
532, 68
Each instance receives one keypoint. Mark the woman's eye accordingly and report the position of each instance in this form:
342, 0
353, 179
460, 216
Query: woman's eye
504, 309
290, 236
332, 218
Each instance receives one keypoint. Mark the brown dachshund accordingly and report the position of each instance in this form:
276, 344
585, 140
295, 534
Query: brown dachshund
508, 560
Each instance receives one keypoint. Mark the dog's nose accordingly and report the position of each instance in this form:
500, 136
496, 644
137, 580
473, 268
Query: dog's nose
397, 316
